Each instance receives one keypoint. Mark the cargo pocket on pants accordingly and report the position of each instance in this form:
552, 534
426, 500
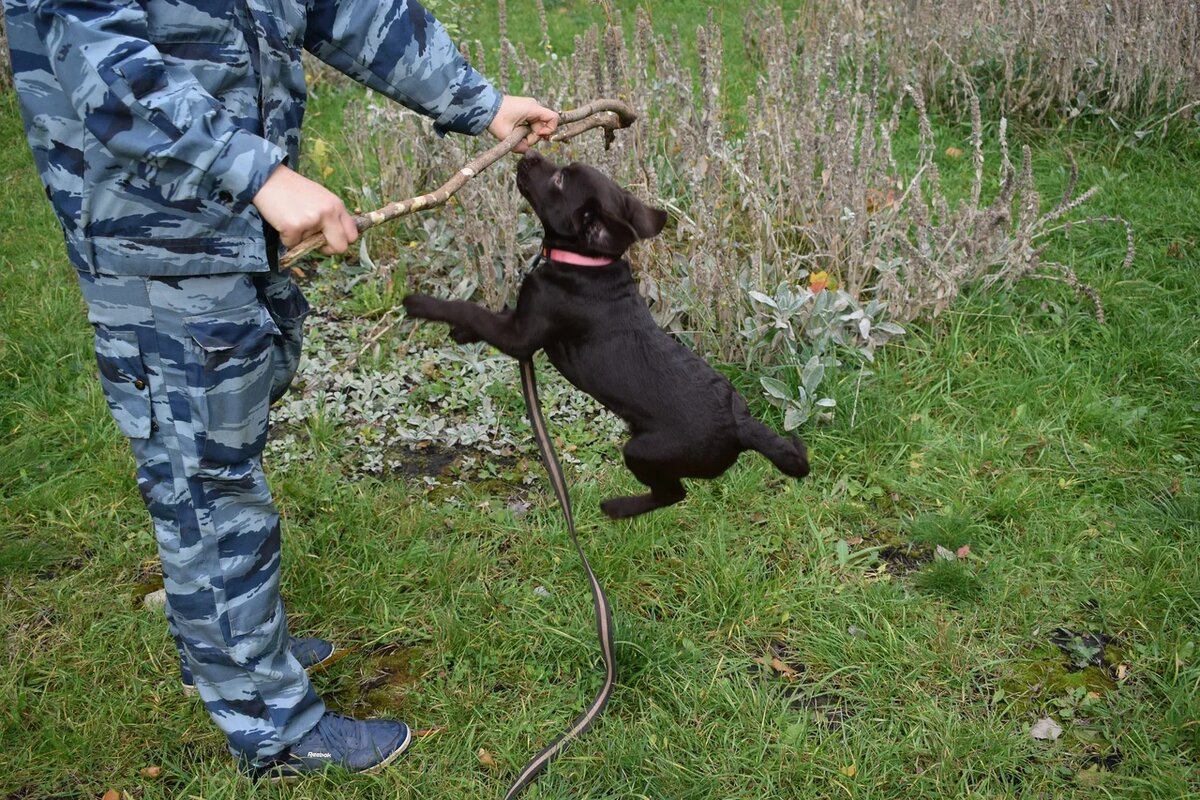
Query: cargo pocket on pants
123, 377
231, 383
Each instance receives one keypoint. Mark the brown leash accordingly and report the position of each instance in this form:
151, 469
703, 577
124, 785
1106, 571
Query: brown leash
609, 115
604, 625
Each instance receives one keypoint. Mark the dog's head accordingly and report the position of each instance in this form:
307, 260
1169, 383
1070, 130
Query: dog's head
583, 210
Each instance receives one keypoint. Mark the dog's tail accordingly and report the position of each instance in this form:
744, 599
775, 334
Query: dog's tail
787, 453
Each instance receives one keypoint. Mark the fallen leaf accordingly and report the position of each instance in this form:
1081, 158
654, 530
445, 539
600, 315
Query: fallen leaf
1046, 729
777, 665
150, 772
111, 794
1122, 671
423, 732
954, 152
854, 540
487, 759
781, 667
849, 771
963, 551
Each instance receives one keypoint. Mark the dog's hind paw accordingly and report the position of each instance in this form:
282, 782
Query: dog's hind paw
623, 507
626, 507
799, 465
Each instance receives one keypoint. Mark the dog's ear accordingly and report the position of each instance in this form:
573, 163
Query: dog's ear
604, 231
613, 231
646, 222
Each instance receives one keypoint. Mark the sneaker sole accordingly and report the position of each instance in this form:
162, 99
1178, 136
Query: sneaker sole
190, 690
399, 751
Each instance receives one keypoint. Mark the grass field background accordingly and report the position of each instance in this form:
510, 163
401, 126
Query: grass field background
777, 639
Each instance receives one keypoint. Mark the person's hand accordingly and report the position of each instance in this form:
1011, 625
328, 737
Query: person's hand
516, 111
298, 208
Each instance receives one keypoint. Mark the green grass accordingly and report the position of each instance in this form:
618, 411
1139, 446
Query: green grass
1064, 453
566, 19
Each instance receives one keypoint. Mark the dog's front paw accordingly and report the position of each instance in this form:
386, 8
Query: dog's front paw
799, 467
422, 306
463, 336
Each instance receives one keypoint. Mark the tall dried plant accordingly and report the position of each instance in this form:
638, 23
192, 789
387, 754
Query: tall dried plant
810, 185
1041, 59
6, 74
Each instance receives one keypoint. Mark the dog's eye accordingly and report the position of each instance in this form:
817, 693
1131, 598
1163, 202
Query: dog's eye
557, 180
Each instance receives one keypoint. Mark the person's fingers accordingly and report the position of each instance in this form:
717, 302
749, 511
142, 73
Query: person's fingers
335, 234
290, 237
545, 122
537, 132
351, 228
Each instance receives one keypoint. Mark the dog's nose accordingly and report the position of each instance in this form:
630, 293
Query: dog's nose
528, 163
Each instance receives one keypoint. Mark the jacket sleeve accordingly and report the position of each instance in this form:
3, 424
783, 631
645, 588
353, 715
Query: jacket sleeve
143, 110
399, 49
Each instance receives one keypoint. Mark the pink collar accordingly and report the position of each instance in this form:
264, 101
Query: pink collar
578, 259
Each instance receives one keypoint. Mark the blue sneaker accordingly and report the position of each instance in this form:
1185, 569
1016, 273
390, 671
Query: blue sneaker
337, 741
310, 651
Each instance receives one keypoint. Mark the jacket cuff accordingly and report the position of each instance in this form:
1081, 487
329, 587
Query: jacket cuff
473, 105
241, 168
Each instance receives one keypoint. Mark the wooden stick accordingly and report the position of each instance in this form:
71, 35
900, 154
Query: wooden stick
571, 124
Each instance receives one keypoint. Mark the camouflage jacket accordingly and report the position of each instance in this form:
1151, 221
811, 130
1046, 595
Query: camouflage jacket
154, 123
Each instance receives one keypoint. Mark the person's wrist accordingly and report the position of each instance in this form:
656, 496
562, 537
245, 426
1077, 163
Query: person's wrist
241, 169
277, 176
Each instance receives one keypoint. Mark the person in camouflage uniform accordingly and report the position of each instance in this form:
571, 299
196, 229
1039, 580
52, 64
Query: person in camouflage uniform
163, 131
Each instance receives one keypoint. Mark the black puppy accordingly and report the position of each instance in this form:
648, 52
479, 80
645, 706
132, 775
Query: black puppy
582, 307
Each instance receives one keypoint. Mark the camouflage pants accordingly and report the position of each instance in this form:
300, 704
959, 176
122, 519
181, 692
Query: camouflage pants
189, 366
